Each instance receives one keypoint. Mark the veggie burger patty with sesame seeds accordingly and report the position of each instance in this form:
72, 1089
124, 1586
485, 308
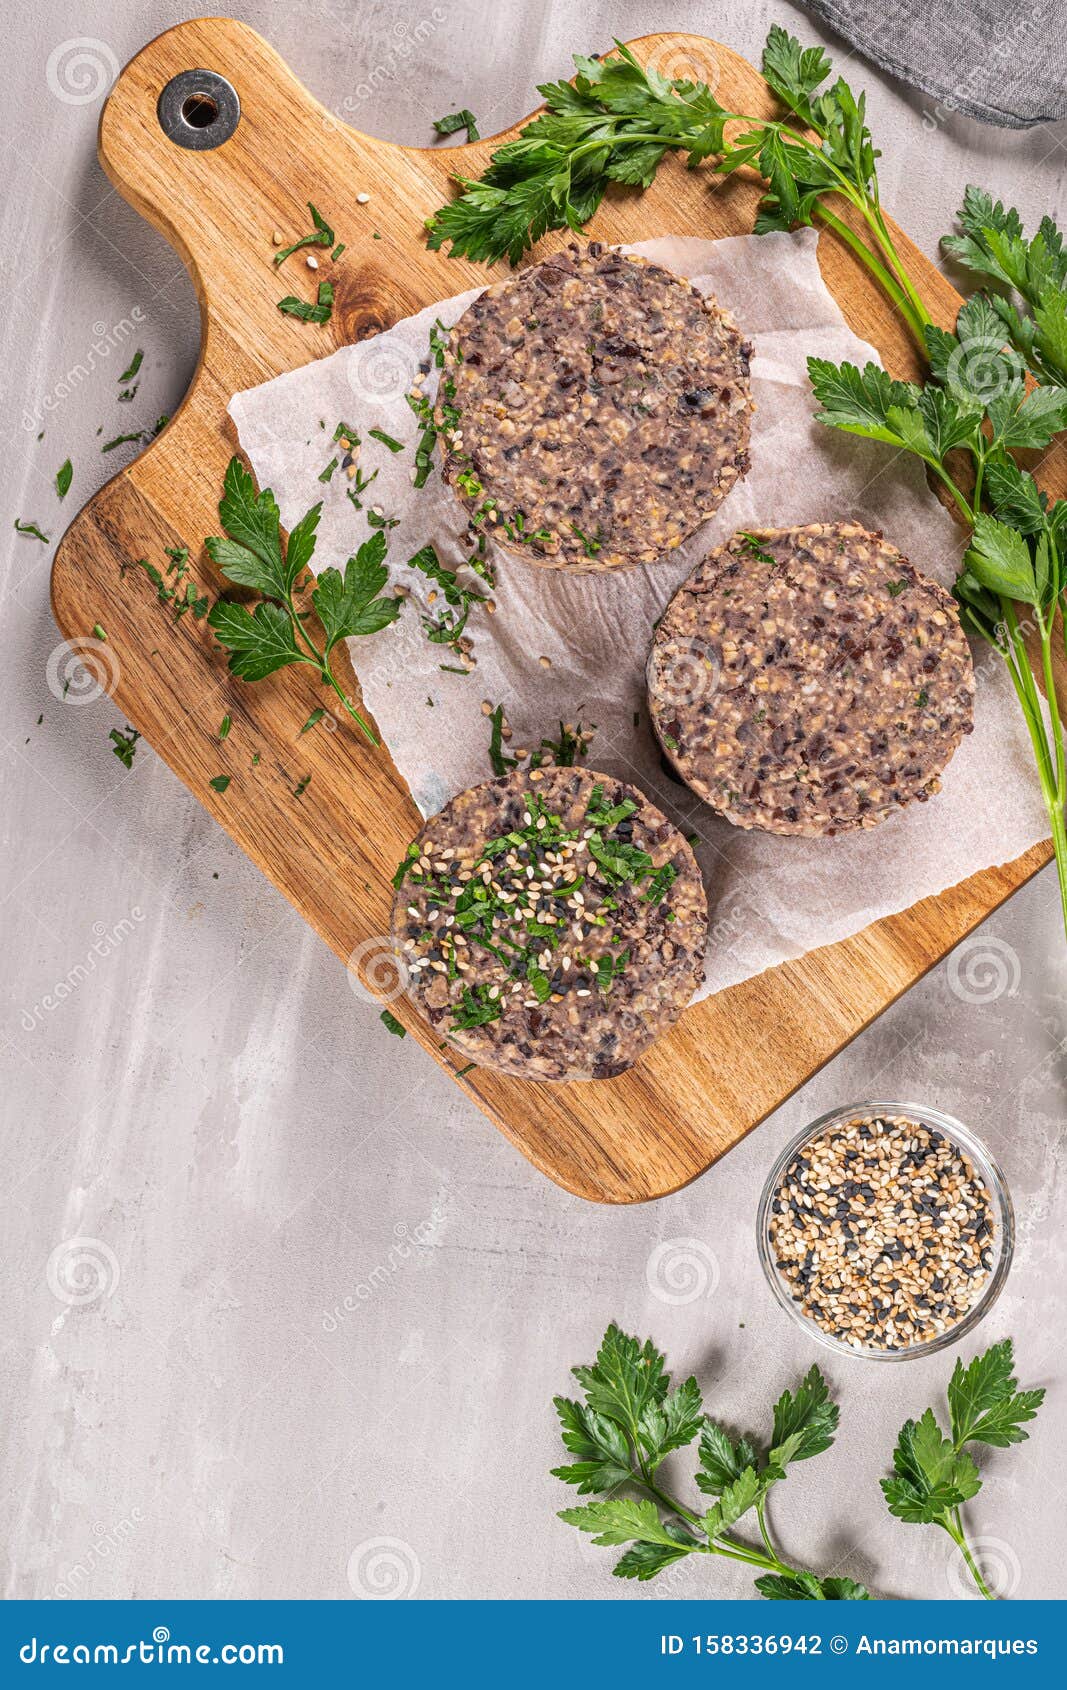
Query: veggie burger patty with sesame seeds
810, 680
551, 923
593, 410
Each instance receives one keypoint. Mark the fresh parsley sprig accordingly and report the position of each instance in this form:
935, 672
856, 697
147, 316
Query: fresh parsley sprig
274, 634
617, 121
977, 403
630, 1420
935, 1475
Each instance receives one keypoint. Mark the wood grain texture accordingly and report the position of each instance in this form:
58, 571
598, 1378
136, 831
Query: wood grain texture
733, 1058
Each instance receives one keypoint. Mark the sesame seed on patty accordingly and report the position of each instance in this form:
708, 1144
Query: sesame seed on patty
551, 923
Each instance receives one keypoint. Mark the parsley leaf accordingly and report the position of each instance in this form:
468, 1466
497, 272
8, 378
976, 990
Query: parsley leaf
132, 368
1015, 496
670, 1423
868, 402
750, 544
31, 529
252, 555
260, 641
735, 1499
644, 1560
476, 1008
600, 1445
124, 745
124, 440
805, 1587
349, 605
934, 1475
1031, 272
64, 477
999, 558
320, 312
386, 439
985, 1405
499, 763
621, 1520
618, 860
721, 1460
322, 235
454, 121
804, 1423
625, 1378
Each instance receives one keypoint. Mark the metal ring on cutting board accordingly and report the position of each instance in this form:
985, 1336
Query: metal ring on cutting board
198, 109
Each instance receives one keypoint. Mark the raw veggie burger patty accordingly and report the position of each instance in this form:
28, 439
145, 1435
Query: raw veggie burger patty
552, 923
810, 680
594, 410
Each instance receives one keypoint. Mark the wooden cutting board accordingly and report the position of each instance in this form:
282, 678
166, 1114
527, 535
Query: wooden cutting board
734, 1057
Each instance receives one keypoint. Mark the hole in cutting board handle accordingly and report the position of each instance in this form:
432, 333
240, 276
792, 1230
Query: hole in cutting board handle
198, 109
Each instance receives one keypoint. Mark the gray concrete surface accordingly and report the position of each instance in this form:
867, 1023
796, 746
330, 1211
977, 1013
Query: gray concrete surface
323, 1305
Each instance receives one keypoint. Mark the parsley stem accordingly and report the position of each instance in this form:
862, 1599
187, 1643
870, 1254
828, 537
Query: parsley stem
1032, 700
643, 1478
953, 1524
762, 1519
733, 1551
751, 1557
900, 290
1056, 808
1050, 759
1029, 697
881, 232
322, 663
942, 474
1053, 706
873, 264
1059, 845
331, 680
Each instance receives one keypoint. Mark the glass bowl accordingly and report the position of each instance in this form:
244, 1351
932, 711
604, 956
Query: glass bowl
1002, 1244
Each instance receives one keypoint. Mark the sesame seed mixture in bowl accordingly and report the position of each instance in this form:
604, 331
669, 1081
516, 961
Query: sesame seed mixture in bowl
886, 1229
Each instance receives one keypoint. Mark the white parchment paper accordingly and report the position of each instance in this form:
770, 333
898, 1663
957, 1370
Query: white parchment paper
770, 898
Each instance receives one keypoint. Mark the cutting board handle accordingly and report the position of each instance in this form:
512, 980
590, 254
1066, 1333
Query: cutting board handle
220, 205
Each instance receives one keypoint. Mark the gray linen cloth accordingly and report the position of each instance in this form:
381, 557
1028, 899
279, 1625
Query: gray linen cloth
998, 62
